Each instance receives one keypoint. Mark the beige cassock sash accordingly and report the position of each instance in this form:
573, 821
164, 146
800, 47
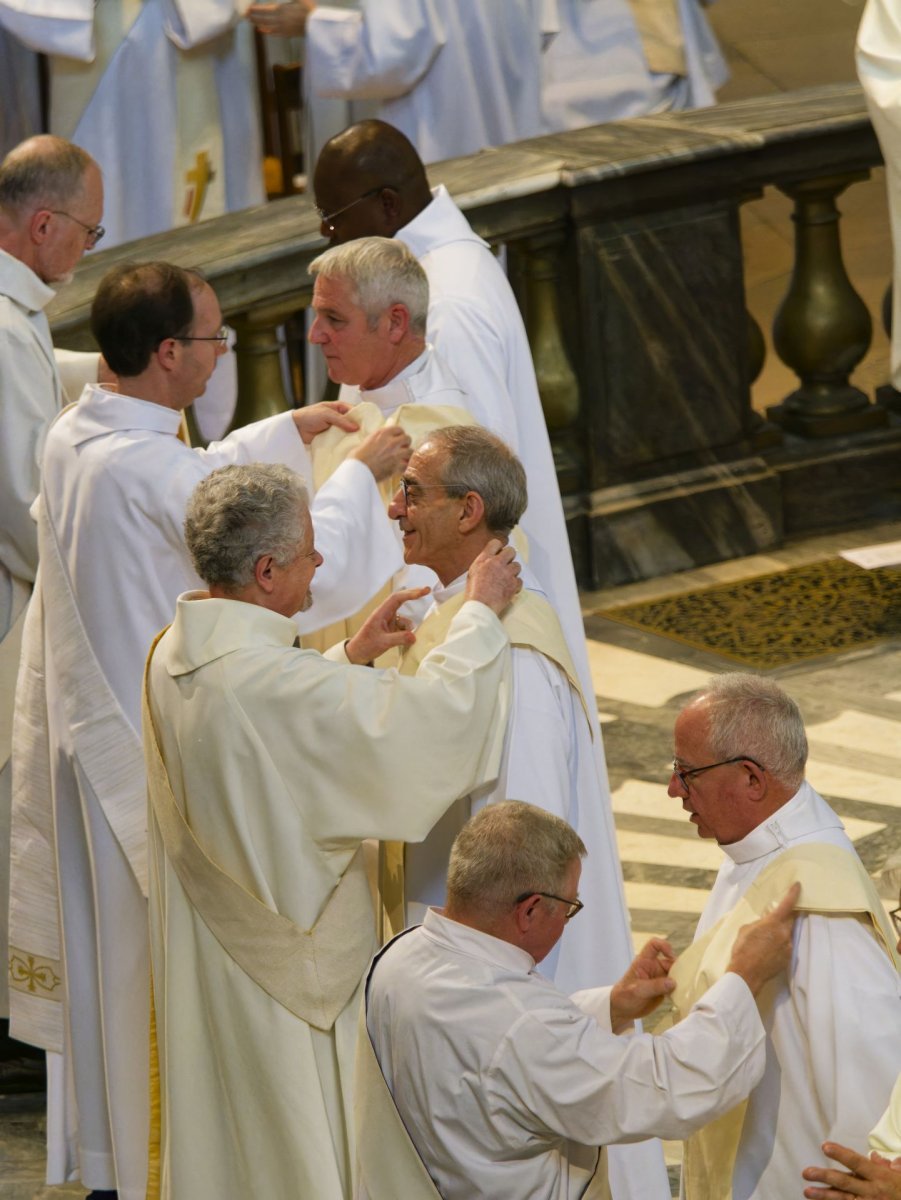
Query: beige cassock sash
833, 881
660, 30
388, 1164
330, 449
531, 624
313, 973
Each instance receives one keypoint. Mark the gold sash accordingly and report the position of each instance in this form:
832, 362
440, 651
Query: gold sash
10, 652
531, 624
886, 1137
313, 973
660, 30
833, 881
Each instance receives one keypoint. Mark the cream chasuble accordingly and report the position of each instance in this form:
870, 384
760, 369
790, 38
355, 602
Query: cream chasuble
886, 1137
280, 762
833, 881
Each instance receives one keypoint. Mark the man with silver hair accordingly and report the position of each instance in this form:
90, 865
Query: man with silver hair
506, 1086
460, 489
738, 769
267, 766
371, 300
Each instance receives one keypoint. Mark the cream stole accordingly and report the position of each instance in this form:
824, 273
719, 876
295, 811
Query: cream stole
531, 624
311, 972
660, 30
833, 881
330, 449
886, 1137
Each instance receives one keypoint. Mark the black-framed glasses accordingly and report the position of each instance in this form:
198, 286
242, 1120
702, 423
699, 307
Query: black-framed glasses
572, 906
94, 232
221, 336
685, 776
408, 486
328, 218
895, 914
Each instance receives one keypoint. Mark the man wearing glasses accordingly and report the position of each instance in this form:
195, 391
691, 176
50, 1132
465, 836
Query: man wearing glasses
116, 479
505, 1086
51, 198
834, 1024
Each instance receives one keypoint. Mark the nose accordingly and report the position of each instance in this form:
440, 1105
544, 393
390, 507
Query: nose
318, 560
675, 789
397, 508
317, 335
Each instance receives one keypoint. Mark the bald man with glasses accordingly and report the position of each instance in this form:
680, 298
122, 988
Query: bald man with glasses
738, 771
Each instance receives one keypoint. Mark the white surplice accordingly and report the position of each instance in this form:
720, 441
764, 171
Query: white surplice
475, 324
282, 762
548, 760
508, 1087
31, 393
194, 60
453, 75
596, 69
116, 482
827, 1076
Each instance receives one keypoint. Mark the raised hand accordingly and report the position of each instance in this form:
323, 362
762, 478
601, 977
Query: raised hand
316, 418
384, 629
493, 577
385, 452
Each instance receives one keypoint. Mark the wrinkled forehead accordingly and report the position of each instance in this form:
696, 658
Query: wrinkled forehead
426, 464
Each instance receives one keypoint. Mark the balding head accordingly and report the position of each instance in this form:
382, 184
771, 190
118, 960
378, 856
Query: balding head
51, 202
373, 172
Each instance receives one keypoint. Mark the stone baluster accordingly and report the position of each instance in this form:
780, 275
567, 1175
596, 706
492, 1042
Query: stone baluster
822, 329
539, 262
261, 388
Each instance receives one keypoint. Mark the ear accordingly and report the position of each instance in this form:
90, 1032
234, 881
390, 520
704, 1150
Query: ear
473, 512
39, 225
525, 913
263, 573
398, 323
757, 780
390, 209
168, 353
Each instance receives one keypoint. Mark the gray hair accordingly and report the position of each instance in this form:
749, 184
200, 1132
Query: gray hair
239, 513
507, 849
752, 716
42, 171
381, 272
477, 461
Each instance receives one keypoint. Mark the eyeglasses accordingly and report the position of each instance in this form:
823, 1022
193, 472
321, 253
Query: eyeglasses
410, 485
895, 914
572, 906
684, 776
221, 336
328, 218
94, 232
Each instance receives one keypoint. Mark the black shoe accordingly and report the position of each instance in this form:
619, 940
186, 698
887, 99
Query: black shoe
102, 1196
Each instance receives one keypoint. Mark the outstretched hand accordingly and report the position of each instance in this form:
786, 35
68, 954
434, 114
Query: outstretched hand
875, 1177
763, 948
384, 629
385, 452
282, 20
493, 576
644, 985
316, 418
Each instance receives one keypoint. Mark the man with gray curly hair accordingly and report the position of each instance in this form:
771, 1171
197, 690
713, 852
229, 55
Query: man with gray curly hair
738, 769
506, 1086
267, 766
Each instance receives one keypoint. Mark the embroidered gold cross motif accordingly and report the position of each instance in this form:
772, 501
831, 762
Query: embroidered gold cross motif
28, 973
198, 179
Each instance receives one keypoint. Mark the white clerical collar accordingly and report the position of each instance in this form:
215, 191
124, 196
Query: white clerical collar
391, 395
440, 593
798, 816
473, 942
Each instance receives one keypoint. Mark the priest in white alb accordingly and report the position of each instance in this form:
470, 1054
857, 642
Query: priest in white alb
268, 765
113, 561
834, 1024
